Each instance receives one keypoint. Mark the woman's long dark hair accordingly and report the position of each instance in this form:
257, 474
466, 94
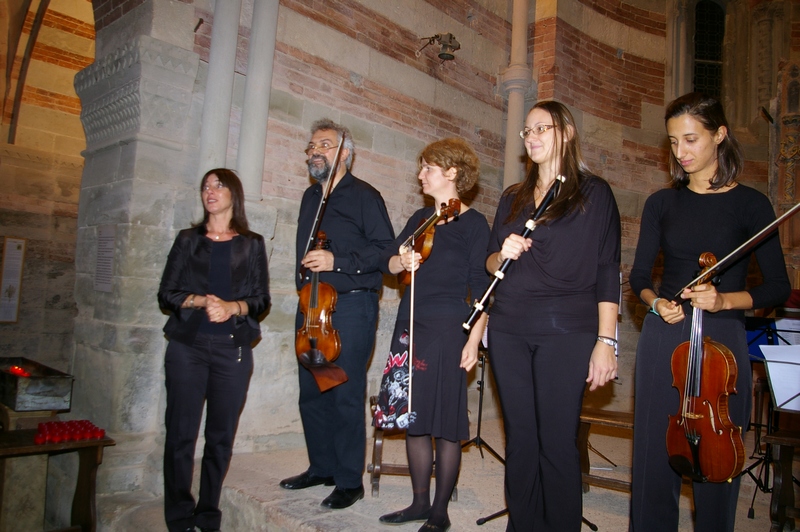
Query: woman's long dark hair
570, 165
230, 181
710, 114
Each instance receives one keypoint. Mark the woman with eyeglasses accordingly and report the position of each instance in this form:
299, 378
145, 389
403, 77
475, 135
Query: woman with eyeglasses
215, 286
552, 327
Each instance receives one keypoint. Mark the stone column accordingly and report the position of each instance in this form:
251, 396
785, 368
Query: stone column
140, 181
253, 132
219, 87
516, 81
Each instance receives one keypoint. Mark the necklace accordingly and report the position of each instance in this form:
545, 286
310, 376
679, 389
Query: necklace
218, 234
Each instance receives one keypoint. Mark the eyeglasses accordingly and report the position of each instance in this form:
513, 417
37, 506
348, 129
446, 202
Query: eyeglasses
216, 186
536, 130
322, 148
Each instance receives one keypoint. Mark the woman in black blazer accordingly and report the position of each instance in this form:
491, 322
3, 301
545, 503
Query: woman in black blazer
215, 285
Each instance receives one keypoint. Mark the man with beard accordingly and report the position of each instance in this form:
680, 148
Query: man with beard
357, 225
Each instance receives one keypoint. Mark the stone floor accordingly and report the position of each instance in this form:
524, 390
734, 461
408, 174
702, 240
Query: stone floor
252, 500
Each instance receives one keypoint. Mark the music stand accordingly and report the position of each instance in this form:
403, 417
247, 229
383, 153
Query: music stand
783, 373
477, 440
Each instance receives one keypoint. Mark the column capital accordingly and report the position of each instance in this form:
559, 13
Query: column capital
516, 77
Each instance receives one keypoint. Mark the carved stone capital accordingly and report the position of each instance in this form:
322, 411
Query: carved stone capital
516, 78
144, 87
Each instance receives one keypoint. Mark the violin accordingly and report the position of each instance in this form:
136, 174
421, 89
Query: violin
422, 238
317, 343
702, 441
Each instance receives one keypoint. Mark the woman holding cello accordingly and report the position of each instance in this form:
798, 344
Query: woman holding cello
451, 276
705, 210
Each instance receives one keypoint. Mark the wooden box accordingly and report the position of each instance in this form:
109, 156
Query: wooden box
45, 388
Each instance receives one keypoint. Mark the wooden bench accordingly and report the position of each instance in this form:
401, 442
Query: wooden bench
781, 508
608, 418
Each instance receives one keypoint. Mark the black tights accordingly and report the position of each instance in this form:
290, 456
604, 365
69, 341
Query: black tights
420, 464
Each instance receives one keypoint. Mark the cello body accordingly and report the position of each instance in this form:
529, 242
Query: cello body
702, 441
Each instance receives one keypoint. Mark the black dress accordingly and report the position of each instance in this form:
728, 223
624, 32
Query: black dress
445, 285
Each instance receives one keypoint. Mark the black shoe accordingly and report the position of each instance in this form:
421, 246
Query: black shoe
305, 480
429, 527
209, 529
395, 518
343, 497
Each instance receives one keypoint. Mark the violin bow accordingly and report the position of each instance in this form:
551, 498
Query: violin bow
324, 200
742, 250
530, 225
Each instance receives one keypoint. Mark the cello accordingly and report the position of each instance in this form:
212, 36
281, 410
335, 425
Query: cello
702, 441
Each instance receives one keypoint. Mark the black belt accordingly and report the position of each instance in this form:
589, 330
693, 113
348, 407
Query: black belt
356, 290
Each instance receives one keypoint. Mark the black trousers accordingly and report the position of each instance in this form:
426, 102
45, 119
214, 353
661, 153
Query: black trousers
655, 485
540, 380
215, 372
334, 422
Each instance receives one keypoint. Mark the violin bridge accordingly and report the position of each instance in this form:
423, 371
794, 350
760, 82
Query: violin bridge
692, 415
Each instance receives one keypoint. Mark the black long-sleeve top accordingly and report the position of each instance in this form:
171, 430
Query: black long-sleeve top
358, 227
187, 272
573, 265
685, 224
455, 272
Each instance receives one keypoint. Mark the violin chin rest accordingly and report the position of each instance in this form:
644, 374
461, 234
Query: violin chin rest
684, 467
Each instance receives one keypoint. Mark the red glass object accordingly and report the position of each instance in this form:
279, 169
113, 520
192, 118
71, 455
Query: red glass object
19, 371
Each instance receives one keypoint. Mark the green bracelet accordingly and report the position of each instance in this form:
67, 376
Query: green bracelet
653, 306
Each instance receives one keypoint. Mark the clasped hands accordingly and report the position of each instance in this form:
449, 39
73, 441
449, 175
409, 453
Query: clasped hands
218, 310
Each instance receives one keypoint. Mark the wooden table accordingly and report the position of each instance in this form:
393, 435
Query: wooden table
20, 443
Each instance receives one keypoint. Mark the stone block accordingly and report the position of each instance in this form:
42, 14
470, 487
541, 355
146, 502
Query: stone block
150, 204
313, 111
263, 219
64, 145
361, 130
104, 166
324, 42
163, 23
93, 393
285, 107
49, 120
105, 204
142, 251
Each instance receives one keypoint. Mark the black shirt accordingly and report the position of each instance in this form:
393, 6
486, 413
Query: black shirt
358, 227
685, 224
573, 265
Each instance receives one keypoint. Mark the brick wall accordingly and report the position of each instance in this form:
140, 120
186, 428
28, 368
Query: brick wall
40, 176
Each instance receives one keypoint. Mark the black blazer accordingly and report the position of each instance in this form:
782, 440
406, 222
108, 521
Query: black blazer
186, 273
